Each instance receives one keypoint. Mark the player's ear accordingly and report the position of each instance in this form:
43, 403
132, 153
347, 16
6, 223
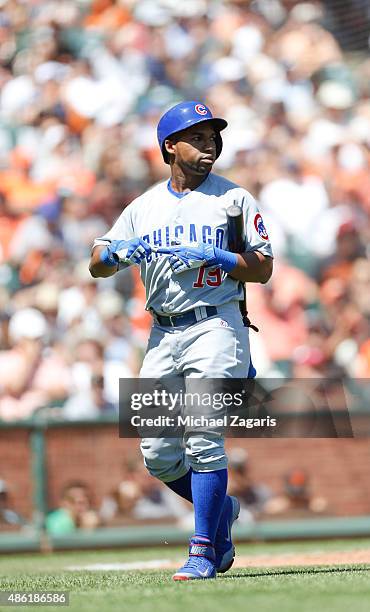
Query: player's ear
169, 146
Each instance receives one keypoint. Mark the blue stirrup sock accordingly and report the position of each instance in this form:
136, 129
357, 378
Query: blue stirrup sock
182, 486
207, 491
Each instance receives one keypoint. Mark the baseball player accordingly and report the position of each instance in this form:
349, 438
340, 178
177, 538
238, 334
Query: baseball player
177, 233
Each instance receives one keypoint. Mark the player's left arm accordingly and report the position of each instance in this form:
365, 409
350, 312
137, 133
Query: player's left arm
256, 263
252, 267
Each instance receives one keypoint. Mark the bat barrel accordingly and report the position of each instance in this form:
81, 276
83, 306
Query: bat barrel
235, 225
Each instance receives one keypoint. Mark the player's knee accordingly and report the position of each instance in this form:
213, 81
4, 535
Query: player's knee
206, 454
163, 461
165, 471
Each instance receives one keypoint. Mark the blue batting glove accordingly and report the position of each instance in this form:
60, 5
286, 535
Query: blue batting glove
197, 254
125, 252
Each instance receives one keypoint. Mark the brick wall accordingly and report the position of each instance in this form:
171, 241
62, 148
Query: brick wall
339, 469
92, 454
15, 468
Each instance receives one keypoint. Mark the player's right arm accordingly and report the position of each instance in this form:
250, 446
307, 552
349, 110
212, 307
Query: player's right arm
118, 254
118, 248
98, 269
102, 263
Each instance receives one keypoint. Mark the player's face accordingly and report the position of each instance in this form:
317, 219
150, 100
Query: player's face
194, 149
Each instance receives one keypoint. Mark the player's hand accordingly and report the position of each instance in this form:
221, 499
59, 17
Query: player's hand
126, 251
191, 256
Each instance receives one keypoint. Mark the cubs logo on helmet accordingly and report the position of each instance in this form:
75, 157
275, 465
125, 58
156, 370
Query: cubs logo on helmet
260, 227
201, 109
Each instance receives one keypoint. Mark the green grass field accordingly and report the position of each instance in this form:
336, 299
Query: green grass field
284, 589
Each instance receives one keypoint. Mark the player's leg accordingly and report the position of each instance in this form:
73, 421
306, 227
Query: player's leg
164, 457
215, 512
207, 457
224, 548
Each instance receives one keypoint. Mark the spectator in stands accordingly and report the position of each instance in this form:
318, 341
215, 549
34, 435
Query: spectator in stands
297, 499
29, 377
252, 495
75, 511
349, 249
9, 518
136, 498
90, 404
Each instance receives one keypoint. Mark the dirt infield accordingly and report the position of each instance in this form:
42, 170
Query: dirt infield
348, 557
309, 558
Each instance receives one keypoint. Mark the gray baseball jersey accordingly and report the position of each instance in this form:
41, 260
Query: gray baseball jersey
161, 216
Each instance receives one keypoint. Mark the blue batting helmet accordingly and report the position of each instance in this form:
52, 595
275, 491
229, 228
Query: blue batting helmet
183, 116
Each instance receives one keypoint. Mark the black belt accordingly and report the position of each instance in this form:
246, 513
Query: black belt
188, 318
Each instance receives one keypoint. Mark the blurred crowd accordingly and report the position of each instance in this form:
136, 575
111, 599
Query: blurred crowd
135, 498
82, 86
139, 499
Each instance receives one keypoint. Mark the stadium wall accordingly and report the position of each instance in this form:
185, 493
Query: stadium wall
93, 453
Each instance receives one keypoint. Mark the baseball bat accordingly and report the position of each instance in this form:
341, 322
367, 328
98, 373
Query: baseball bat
236, 243
235, 227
